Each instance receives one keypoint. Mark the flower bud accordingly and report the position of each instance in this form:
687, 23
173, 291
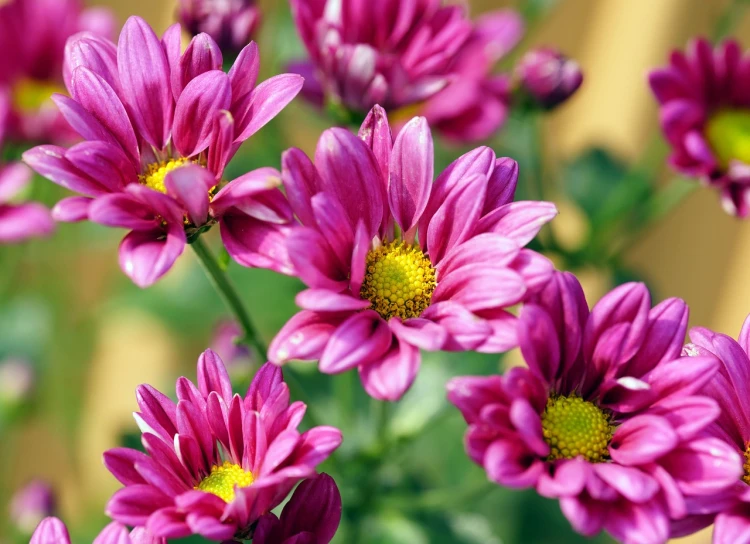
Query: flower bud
238, 358
231, 23
548, 76
30, 505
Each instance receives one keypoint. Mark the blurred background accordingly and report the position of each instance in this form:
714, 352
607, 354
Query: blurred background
92, 336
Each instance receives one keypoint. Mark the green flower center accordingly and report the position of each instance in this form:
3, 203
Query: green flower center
399, 280
728, 134
574, 427
223, 479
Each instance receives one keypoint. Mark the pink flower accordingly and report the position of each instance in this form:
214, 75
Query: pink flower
606, 418
730, 389
30, 505
704, 97
53, 531
311, 515
548, 77
33, 34
231, 23
216, 463
396, 263
160, 127
18, 222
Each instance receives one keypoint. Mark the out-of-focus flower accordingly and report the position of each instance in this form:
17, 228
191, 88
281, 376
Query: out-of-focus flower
33, 35
730, 389
396, 263
311, 515
548, 76
238, 358
53, 531
160, 128
30, 505
216, 463
606, 418
231, 23
705, 115
17, 380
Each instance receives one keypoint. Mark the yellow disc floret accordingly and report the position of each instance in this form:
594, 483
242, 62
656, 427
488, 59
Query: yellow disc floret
154, 174
574, 427
728, 134
223, 479
399, 280
746, 465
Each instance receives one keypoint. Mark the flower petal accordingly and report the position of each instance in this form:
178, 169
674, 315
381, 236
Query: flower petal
196, 110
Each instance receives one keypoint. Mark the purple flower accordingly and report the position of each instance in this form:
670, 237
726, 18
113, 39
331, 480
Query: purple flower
606, 418
160, 127
33, 34
216, 463
396, 263
53, 531
730, 388
231, 23
548, 76
704, 96
30, 505
237, 357
311, 515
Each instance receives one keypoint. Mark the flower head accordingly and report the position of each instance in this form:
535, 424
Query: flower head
548, 76
231, 23
53, 531
30, 505
160, 127
606, 418
215, 462
705, 116
33, 34
396, 263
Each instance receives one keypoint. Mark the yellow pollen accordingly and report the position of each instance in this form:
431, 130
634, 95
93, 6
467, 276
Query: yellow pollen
154, 174
399, 280
223, 479
575, 427
30, 94
746, 465
728, 134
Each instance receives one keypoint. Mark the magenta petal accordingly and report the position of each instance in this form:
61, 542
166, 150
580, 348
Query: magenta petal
24, 221
196, 110
202, 55
376, 133
244, 73
667, 325
732, 527
314, 262
527, 422
50, 531
323, 300
145, 256
632, 483
94, 52
392, 374
642, 440
114, 533
501, 185
586, 516
412, 165
567, 479
264, 103
189, 185
333, 225
83, 121
301, 181
634, 523
255, 243
145, 76
465, 331
123, 210
539, 342
362, 338
213, 376
13, 178
71, 209
509, 463
481, 287
243, 191
519, 221
303, 337
103, 162
423, 333
133, 505
482, 249
315, 507
50, 162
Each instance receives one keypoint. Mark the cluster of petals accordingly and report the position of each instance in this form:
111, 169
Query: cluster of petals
18, 222
208, 427
141, 104
697, 86
53, 531
365, 192
730, 388
33, 35
624, 358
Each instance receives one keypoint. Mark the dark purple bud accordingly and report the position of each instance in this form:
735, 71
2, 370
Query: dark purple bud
231, 23
30, 505
548, 76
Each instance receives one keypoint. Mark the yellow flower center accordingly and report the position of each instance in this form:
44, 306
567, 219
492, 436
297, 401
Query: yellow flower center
30, 94
575, 427
746, 465
728, 134
399, 280
223, 479
154, 174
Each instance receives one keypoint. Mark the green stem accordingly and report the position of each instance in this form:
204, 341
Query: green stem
229, 294
731, 16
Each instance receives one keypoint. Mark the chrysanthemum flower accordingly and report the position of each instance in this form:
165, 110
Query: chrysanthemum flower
216, 463
395, 262
606, 418
705, 115
30, 505
160, 128
33, 34
53, 531
231, 23
730, 388
312, 515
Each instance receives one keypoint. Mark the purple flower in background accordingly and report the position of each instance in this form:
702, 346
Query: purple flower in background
30, 505
231, 23
33, 35
237, 357
606, 418
160, 127
730, 388
311, 515
548, 76
396, 263
53, 531
704, 96
17, 381
216, 462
